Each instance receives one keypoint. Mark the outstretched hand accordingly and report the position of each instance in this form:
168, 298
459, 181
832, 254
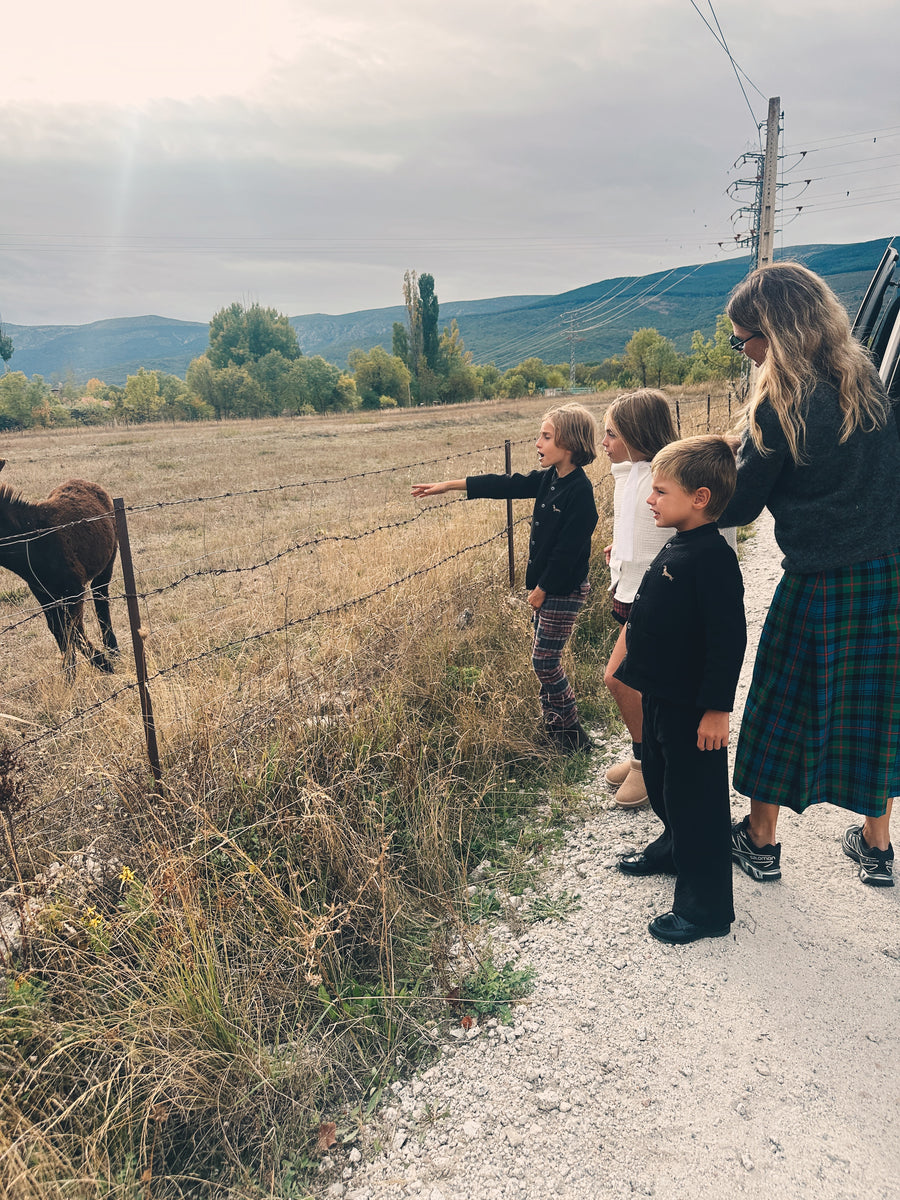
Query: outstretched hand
437, 489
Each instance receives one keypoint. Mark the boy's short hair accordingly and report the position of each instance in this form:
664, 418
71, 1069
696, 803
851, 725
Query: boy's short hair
703, 461
575, 430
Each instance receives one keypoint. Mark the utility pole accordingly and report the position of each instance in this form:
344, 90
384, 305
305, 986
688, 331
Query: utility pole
765, 250
761, 213
572, 339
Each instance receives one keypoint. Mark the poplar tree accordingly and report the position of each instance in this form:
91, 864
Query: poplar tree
429, 310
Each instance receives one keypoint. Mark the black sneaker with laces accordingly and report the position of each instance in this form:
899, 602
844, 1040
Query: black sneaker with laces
762, 863
875, 866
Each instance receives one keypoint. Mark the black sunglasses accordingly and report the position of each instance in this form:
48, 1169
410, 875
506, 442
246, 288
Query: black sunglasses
739, 343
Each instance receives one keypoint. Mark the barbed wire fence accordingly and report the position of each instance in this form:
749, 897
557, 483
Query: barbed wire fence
212, 573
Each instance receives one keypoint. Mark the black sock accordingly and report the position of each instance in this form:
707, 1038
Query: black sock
636, 751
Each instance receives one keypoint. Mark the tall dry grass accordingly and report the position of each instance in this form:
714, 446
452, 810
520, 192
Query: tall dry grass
261, 945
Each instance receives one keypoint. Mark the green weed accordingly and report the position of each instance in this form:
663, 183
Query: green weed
552, 908
491, 991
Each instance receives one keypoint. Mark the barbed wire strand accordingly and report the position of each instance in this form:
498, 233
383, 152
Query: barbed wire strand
254, 637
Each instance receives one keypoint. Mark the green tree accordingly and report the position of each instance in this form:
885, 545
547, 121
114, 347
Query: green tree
429, 309
524, 379
6, 348
346, 395
178, 404
321, 383
238, 393
19, 399
380, 374
142, 400
653, 359
239, 335
639, 353
400, 343
414, 317
608, 372
201, 381
90, 411
276, 377
487, 377
513, 384
458, 380
715, 359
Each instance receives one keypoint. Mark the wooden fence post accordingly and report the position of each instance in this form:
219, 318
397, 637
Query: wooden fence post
510, 540
708, 410
134, 620
678, 416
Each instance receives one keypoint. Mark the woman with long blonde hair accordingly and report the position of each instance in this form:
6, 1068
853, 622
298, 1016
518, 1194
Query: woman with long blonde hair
820, 449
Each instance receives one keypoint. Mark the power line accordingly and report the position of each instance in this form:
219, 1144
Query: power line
849, 139
738, 71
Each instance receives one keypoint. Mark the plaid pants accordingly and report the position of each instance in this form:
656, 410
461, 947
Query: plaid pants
554, 622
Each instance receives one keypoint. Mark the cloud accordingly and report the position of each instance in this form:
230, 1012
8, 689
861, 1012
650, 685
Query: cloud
306, 155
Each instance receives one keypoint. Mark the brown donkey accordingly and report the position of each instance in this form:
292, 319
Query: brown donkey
59, 563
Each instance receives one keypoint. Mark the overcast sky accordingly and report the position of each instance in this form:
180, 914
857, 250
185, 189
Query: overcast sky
173, 157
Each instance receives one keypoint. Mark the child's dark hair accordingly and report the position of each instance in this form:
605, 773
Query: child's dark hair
643, 420
575, 430
696, 462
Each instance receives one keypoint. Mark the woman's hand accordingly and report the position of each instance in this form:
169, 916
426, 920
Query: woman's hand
607, 553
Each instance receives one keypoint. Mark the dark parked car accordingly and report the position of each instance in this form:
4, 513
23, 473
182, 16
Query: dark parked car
877, 323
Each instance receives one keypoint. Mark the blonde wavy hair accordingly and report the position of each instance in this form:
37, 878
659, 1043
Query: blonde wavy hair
809, 338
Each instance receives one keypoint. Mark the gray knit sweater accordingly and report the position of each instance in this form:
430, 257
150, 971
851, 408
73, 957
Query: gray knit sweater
840, 506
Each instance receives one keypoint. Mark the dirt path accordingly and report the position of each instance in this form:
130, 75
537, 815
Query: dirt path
766, 1064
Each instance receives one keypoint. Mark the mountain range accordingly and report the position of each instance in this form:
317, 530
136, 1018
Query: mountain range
599, 318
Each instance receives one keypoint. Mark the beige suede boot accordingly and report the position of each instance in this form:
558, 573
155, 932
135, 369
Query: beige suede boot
632, 793
618, 772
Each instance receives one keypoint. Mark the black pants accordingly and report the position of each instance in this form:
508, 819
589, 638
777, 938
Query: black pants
688, 790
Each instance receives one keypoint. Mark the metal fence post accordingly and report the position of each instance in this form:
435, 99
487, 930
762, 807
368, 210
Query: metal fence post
510, 540
137, 641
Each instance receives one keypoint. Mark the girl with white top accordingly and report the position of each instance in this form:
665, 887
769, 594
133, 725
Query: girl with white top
637, 426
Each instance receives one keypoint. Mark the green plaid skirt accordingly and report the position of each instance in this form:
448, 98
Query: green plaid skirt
822, 719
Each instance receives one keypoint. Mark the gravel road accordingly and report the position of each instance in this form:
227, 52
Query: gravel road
763, 1064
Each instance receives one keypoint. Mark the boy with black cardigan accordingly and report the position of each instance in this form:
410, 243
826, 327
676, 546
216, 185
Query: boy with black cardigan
685, 643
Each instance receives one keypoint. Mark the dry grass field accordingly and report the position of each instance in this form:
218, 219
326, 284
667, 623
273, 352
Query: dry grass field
347, 723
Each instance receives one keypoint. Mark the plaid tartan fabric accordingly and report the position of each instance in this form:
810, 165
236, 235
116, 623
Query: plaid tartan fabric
822, 720
552, 629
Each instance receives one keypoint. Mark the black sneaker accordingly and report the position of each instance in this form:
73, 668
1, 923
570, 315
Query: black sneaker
572, 739
875, 866
762, 863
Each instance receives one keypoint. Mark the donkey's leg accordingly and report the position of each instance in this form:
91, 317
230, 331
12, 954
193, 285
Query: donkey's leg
100, 589
57, 615
80, 640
